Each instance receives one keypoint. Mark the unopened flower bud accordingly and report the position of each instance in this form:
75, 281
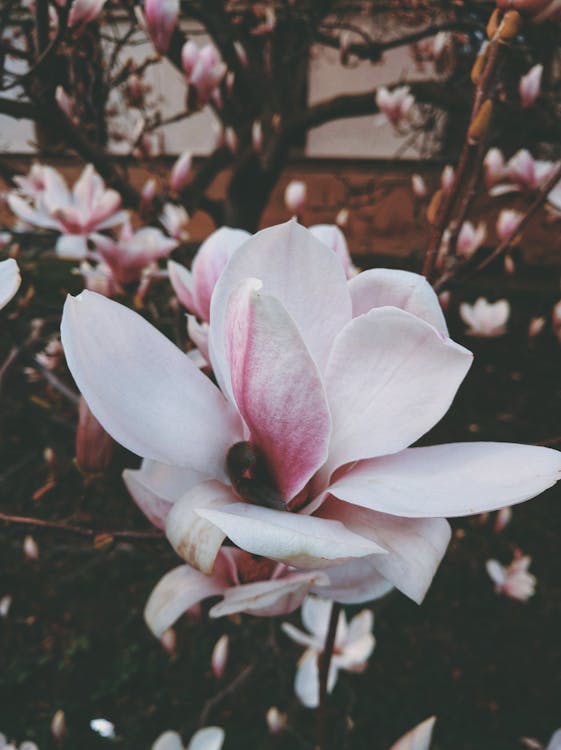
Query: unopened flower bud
503, 518
276, 720
94, 447
169, 641
58, 725
5, 604
257, 136
342, 218
508, 221
536, 326
295, 196
219, 657
419, 186
180, 172
30, 548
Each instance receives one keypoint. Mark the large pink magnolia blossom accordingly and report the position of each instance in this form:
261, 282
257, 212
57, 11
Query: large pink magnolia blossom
133, 252
90, 207
301, 454
10, 280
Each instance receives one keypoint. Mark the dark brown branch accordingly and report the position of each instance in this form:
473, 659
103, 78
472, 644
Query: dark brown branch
324, 662
17, 109
80, 530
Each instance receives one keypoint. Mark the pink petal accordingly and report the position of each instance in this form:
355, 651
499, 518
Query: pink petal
177, 592
457, 479
381, 287
145, 392
390, 378
277, 388
415, 546
184, 286
418, 738
301, 541
302, 273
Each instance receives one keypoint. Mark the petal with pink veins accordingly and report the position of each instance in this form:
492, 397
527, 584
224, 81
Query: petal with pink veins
301, 541
277, 388
390, 378
456, 479
382, 287
302, 273
415, 546
145, 392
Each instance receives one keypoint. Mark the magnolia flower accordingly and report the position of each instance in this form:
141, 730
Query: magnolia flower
470, 238
180, 172
219, 656
5, 745
514, 580
553, 744
395, 104
507, 223
495, 168
354, 644
204, 70
161, 18
529, 86
175, 220
485, 319
83, 12
104, 728
418, 738
208, 738
35, 181
521, 172
295, 196
300, 453
88, 208
10, 280
133, 252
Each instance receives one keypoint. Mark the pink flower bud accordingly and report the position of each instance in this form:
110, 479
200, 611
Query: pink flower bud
180, 172
342, 218
147, 196
536, 326
219, 657
161, 20
276, 720
470, 238
444, 299
94, 447
295, 196
65, 102
419, 186
83, 12
231, 139
494, 165
507, 222
30, 548
530, 85
257, 136
58, 725
447, 178
189, 56
509, 265
503, 518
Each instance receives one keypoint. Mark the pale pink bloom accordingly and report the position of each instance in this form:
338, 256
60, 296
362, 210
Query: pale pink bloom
419, 186
396, 104
161, 18
180, 172
507, 222
447, 178
168, 639
295, 196
526, 172
485, 319
219, 657
503, 518
189, 56
147, 195
65, 102
257, 136
5, 604
133, 252
514, 580
99, 279
470, 238
536, 326
276, 720
495, 168
90, 207
323, 383
333, 237
203, 69
208, 738
354, 643
175, 221
30, 548
83, 12
10, 280
530, 85
58, 725
553, 744
418, 738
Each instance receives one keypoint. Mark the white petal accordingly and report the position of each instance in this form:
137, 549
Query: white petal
298, 540
457, 479
71, 247
168, 741
145, 392
306, 684
208, 738
418, 738
10, 280
355, 582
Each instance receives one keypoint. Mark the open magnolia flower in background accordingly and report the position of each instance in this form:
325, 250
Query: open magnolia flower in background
354, 644
10, 280
46, 202
301, 454
514, 580
208, 738
485, 319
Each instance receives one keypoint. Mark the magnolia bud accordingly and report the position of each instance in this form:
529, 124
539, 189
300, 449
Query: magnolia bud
180, 172
507, 223
276, 720
5, 604
295, 196
219, 657
147, 196
65, 102
58, 725
30, 548
189, 56
530, 85
342, 218
161, 20
419, 186
257, 136
94, 447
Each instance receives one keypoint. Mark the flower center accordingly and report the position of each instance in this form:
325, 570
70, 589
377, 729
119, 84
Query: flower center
250, 476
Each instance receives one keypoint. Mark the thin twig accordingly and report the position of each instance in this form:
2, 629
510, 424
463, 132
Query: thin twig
211, 703
324, 662
80, 530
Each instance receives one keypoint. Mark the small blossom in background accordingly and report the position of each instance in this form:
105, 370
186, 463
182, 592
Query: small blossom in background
180, 172
447, 178
418, 738
419, 187
5, 745
10, 280
5, 604
295, 196
395, 104
257, 136
83, 12
208, 738
276, 720
175, 220
58, 725
494, 166
485, 319
161, 18
104, 728
536, 326
507, 222
470, 239
502, 519
530, 85
513, 580
219, 658
30, 548
354, 643
204, 71
553, 744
